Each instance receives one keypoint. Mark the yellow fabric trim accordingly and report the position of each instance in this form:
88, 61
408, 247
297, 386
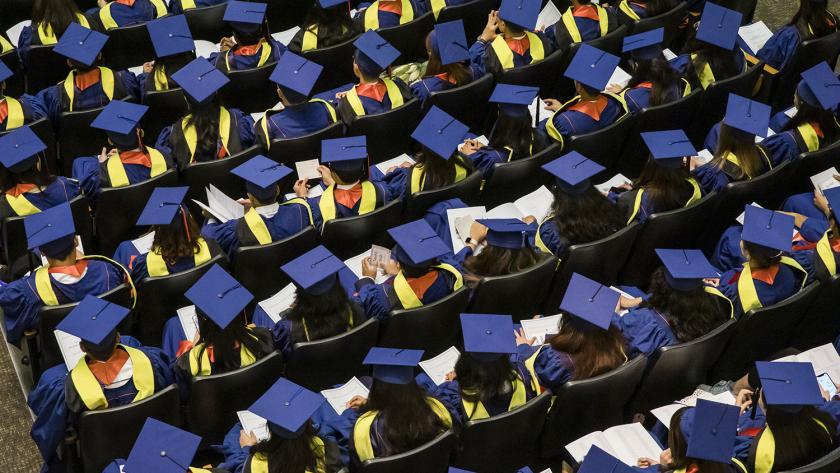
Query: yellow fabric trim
15, 118
686, 89
809, 136
118, 176
637, 204
106, 76
156, 266
331, 109
262, 124
5, 46
161, 82
739, 465
746, 287
826, 254
303, 202
21, 206
529, 364
160, 8
705, 74
106, 17
539, 241
372, 14
187, 4
191, 137
696, 194
361, 434
44, 287
418, 179
505, 54
477, 411
406, 295
765, 452
437, 6
257, 226
715, 292
259, 462
327, 201
392, 91
91, 392
265, 55
310, 38
624, 6
568, 18
246, 358
47, 36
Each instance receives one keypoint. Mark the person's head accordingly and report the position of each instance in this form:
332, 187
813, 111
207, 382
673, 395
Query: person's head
663, 78
510, 30
204, 117
499, 261
484, 380
325, 314
802, 435
37, 174
678, 443
289, 454
365, 68
594, 350
248, 22
586, 92
809, 111
586, 216
334, 24
179, 239
721, 61
170, 64
440, 172
513, 129
60, 251
759, 256
290, 97
58, 14
741, 144
691, 313
226, 342
101, 351
664, 184
457, 72
812, 19
407, 419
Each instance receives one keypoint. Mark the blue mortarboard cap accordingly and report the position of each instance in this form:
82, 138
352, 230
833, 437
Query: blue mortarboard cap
525, 469
200, 79
452, 469
344, 153
719, 26
287, 407
80, 44
417, 243
789, 385
393, 365
590, 301
93, 319
261, 174
599, 461
314, 271
669, 147
246, 13
450, 42
509, 232
647, 45
523, 13
767, 228
162, 448
573, 171
685, 269
296, 73
163, 206
820, 87
833, 197
19, 148
747, 115
514, 99
51, 230
488, 336
710, 429
120, 118
331, 3
376, 50
440, 132
170, 35
5, 72
591, 66
219, 296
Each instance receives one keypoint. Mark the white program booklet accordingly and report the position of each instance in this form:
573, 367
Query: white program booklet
537, 204
220, 206
740, 218
279, 303
285, 37
314, 191
616, 181
438, 367
385, 165
377, 253
755, 35
254, 424
825, 180
144, 244
791, 112
627, 443
205, 48
257, 116
703, 157
14, 32
669, 55
338, 397
535, 109
483, 140
307, 169
541, 327
770, 132
189, 321
664, 413
460, 221
619, 77
70, 349
548, 16
824, 359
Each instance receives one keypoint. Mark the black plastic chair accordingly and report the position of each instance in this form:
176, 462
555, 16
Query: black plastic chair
589, 405
410, 38
513, 435
827, 464
512, 180
214, 399
670, 21
433, 457
303, 148
250, 90
198, 176
284, 14
808, 54
77, 138
819, 325
166, 107
258, 267
15, 85
206, 22
338, 59
15, 11
347, 237
110, 433
323, 364
468, 103
128, 46
611, 42
467, 189
543, 74
744, 7
810, 164
519, 294
44, 68
603, 146
715, 98
388, 134
117, 210
473, 14
432, 328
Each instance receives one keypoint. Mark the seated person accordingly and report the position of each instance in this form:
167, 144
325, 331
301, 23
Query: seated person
587, 345
417, 273
591, 109
679, 308
372, 95
631, 11
508, 39
448, 65
489, 378
387, 13
812, 20
580, 213
266, 220
583, 21
49, 20
665, 183
512, 137
129, 162
118, 13
89, 85
251, 45
114, 371
817, 246
67, 277
26, 184
16, 112
174, 47
327, 23
176, 7
209, 131
509, 249
300, 115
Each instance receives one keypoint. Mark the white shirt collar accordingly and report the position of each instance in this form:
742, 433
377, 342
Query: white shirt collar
268, 211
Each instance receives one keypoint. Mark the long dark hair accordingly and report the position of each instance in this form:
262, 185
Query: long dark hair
334, 24
742, 145
515, 132
484, 381
691, 314
439, 172
679, 450
289, 455
224, 342
664, 79
457, 71
799, 438
762, 257
807, 113
586, 217
498, 261
58, 14
205, 118
325, 315
172, 240
37, 174
664, 186
407, 419
813, 16
721, 61
593, 351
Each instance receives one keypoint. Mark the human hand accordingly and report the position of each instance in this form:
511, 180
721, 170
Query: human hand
614, 88
369, 268
340, 95
665, 457
521, 339
489, 33
392, 267
645, 462
226, 44
469, 147
744, 399
552, 104
148, 67
529, 219
326, 175
450, 376
822, 203
356, 402
628, 302
478, 232
301, 189
247, 439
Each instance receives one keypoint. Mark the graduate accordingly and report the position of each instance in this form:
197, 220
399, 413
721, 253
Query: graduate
631, 11
174, 46
176, 7
209, 131
817, 247
579, 212
89, 85
16, 112
114, 371
583, 21
418, 274
266, 220
67, 277
508, 39
116, 13
372, 95
251, 45
344, 172
591, 109
300, 115
26, 183
812, 20
489, 378
327, 23
512, 137
767, 276
587, 345
737, 157
293, 444
129, 162
49, 20
448, 65
509, 249
387, 13
665, 173
679, 308
598, 461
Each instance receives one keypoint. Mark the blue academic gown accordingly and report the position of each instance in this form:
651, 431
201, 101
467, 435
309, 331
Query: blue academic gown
374, 299
573, 122
93, 175
727, 253
423, 88
638, 98
124, 15
551, 237
20, 301
786, 283
139, 271
373, 107
59, 191
388, 19
778, 121
553, 368
176, 8
484, 59
781, 147
240, 62
644, 330
344, 212
289, 220
295, 120
779, 49
711, 178
244, 126
92, 97
33, 109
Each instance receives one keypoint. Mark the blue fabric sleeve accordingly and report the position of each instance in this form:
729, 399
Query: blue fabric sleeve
372, 298
552, 368
476, 52
779, 49
245, 127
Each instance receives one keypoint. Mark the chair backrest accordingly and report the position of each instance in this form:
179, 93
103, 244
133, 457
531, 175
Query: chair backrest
432, 328
433, 457
214, 399
827, 464
603, 146
347, 237
44, 68
510, 181
250, 90
520, 294
819, 325
388, 134
589, 405
472, 13
468, 103
611, 42
15, 11
715, 98
117, 210
166, 107
813, 163
808, 54
410, 38
322, 364
198, 176
15, 85
128, 46
206, 22
77, 138
467, 189
669, 20
303, 148
258, 267
338, 59
110, 433
283, 15
513, 436
542, 74
744, 7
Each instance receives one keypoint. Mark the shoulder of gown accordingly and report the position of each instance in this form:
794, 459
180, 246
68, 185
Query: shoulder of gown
553, 368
